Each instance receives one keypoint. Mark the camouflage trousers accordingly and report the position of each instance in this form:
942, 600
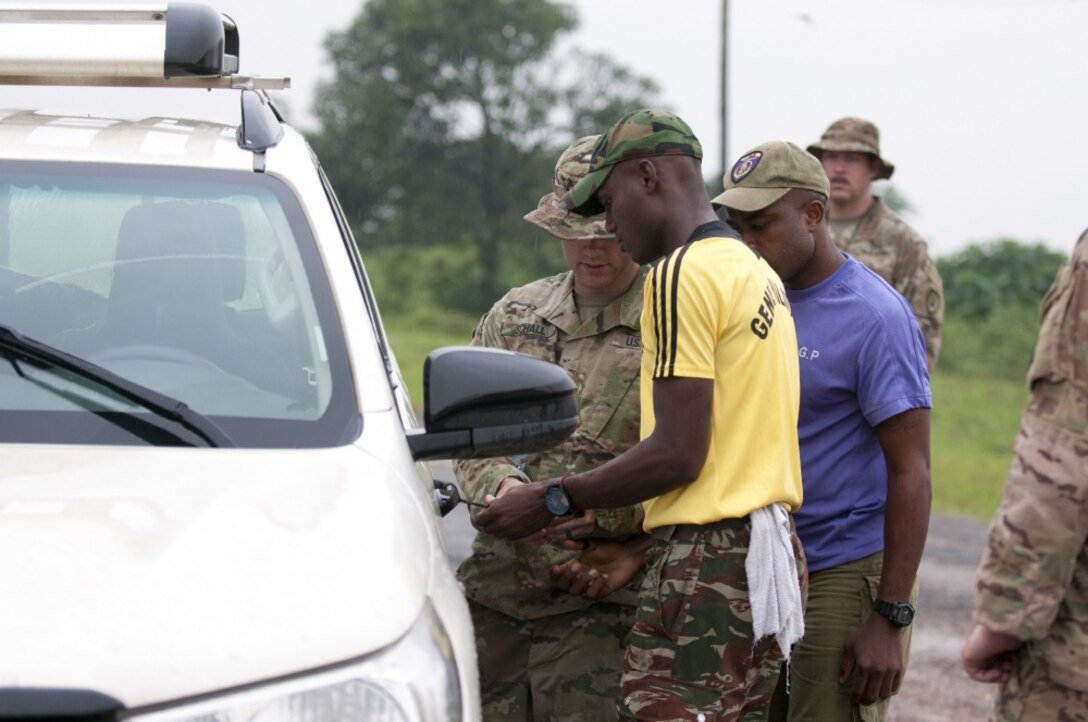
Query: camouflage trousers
1030, 696
560, 668
690, 655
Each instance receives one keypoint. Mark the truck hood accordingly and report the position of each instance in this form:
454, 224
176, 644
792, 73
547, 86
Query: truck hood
156, 574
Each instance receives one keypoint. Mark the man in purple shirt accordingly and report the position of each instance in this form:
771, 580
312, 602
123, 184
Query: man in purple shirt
864, 439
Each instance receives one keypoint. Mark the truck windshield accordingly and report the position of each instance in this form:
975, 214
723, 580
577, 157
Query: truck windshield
204, 286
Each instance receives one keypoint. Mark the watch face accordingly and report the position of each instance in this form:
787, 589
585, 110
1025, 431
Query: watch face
557, 501
898, 613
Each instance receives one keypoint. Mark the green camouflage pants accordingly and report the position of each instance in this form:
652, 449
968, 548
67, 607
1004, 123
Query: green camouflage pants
690, 655
1030, 696
564, 667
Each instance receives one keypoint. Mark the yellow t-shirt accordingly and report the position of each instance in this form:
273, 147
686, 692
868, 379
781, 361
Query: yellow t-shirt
714, 310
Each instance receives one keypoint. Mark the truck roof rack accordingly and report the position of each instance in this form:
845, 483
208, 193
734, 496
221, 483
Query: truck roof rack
171, 45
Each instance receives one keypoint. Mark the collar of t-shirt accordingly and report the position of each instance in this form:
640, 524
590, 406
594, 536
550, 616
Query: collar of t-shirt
713, 229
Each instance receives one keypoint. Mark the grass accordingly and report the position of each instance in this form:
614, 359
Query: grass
413, 337
975, 419
973, 425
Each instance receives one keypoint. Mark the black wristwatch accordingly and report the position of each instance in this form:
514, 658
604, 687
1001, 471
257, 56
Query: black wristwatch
557, 499
900, 614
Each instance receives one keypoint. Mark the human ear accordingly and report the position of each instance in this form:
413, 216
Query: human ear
646, 172
814, 212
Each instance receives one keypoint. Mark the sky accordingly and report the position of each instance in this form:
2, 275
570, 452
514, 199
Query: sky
982, 104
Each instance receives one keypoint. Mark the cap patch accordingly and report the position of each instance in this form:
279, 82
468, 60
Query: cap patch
746, 165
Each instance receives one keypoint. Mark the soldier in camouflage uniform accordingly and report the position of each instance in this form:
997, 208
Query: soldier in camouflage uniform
544, 654
863, 226
1031, 606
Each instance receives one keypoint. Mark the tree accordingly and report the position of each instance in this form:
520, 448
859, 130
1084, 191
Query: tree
444, 119
985, 277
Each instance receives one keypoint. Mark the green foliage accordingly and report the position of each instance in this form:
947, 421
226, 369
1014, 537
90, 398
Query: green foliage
998, 346
443, 124
414, 335
984, 277
974, 423
412, 281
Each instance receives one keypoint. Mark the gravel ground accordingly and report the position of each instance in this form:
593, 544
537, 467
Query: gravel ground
936, 688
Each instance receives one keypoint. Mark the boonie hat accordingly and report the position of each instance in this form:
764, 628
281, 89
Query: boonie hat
551, 214
853, 134
641, 134
769, 171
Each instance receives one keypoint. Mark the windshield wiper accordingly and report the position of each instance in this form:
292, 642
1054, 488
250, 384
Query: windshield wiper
20, 347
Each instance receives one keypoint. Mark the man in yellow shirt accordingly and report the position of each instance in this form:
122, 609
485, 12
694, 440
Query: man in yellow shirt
718, 466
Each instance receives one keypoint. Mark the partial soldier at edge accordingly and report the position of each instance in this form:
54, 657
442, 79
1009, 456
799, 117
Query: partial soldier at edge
1031, 603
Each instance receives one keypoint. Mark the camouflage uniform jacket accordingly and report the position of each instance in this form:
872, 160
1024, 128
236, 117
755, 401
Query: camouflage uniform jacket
893, 250
602, 356
1033, 582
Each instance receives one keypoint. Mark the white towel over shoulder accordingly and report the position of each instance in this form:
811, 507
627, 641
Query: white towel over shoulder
773, 589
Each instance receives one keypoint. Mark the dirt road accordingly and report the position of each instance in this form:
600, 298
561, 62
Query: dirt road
935, 689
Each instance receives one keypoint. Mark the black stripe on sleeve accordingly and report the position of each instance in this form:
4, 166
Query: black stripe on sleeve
660, 317
673, 309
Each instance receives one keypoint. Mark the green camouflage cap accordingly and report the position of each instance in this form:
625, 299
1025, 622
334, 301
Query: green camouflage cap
769, 171
641, 134
550, 213
853, 135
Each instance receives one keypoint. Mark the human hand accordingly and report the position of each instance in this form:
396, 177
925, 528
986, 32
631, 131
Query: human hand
567, 528
517, 511
987, 655
504, 486
603, 567
874, 655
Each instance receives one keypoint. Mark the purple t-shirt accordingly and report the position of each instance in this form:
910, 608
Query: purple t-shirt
863, 361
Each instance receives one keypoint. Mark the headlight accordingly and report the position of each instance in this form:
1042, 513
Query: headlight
414, 680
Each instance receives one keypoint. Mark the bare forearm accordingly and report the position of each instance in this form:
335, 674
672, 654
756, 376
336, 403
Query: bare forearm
648, 469
904, 439
671, 456
906, 523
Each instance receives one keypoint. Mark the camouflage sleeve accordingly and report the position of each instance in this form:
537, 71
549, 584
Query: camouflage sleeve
480, 477
1042, 524
1037, 535
917, 278
928, 302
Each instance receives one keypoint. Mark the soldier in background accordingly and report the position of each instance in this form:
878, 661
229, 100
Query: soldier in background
863, 226
1031, 605
544, 654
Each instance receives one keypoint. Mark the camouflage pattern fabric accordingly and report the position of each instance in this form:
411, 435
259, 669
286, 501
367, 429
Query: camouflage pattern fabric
1030, 695
602, 355
694, 616
893, 250
640, 134
563, 667
544, 653
1033, 580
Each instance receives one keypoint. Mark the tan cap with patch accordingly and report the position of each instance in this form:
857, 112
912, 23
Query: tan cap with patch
769, 171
